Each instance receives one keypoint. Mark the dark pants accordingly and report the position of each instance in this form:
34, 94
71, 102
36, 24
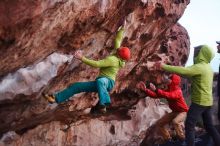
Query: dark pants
218, 92
195, 111
219, 107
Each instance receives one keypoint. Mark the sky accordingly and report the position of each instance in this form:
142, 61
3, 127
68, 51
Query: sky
202, 22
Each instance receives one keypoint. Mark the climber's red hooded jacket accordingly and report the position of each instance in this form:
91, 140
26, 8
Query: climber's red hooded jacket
173, 95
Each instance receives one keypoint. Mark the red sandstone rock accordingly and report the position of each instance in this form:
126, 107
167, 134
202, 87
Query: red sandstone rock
32, 30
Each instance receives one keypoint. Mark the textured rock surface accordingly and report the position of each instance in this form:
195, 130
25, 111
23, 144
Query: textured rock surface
97, 132
32, 30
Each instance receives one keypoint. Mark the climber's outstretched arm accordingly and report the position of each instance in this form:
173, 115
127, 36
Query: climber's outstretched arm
119, 36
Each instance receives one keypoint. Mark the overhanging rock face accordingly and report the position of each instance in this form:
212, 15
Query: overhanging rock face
31, 31
105, 130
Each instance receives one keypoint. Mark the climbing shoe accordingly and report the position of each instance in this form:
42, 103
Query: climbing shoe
49, 98
98, 109
102, 109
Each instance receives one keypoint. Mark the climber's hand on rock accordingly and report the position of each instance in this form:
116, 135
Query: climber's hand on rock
141, 85
158, 66
78, 55
122, 23
152, 87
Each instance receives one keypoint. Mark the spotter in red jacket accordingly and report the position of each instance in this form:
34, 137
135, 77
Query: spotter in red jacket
173, 95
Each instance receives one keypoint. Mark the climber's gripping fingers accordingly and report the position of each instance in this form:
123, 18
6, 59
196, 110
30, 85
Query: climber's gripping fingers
158, 65
152, 87
78, 55
141, 86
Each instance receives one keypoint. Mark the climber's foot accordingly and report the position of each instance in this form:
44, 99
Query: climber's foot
102, 109
50, 98
99, 109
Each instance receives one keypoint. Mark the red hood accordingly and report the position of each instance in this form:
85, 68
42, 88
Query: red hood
173, 95
175, 81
